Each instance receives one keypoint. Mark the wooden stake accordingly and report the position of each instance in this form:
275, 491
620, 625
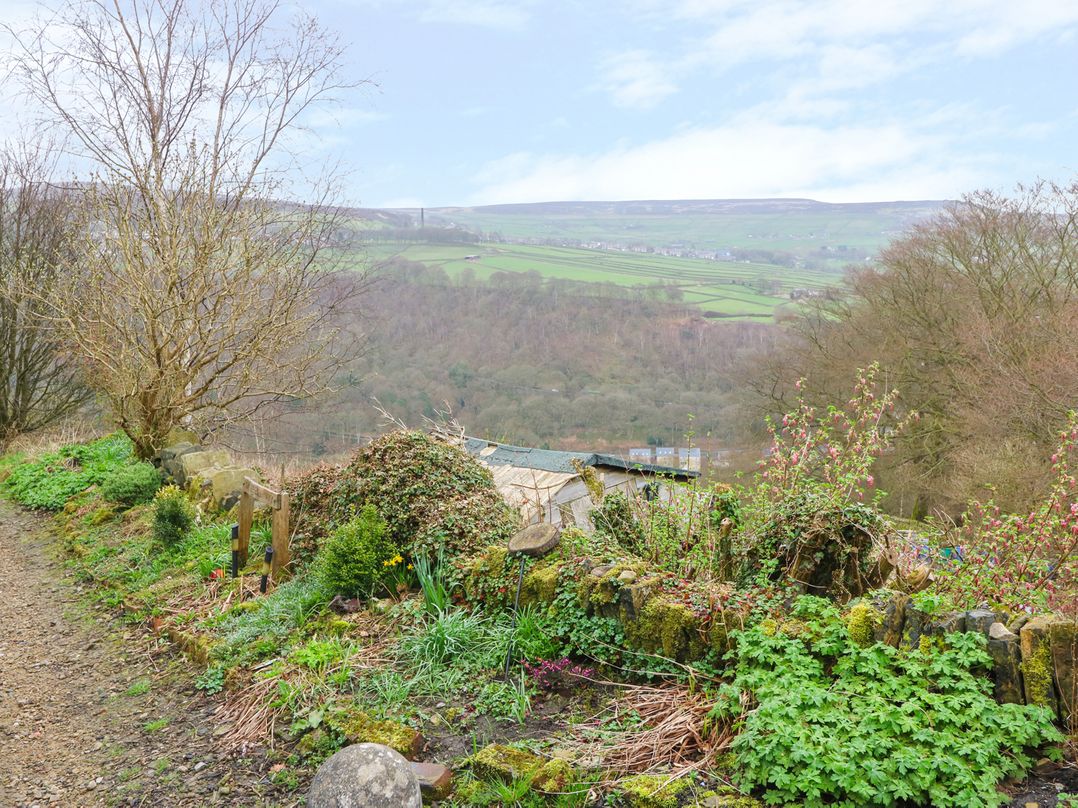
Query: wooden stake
281, 554
246, 517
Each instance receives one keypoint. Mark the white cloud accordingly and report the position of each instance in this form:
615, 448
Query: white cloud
488, 13
635, 79
749, 157
842, 45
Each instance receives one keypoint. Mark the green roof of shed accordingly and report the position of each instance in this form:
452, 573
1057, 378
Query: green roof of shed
550, 460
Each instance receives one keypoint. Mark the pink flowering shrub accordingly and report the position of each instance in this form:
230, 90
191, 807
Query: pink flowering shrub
1022, 561
831, 454
557, 674
811, 522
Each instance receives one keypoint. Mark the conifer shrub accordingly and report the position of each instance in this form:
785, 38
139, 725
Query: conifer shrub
357, 555
132, 484
173, 516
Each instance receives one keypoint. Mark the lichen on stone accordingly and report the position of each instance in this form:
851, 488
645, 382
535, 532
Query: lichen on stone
1037, 674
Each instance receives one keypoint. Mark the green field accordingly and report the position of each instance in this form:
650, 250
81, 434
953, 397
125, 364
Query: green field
724, 287
766, 248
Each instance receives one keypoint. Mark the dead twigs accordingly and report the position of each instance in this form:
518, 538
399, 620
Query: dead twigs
669, 730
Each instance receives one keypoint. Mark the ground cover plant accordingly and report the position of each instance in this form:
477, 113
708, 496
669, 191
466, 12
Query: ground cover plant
830, 722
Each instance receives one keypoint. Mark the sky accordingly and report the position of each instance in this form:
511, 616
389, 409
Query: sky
492, 101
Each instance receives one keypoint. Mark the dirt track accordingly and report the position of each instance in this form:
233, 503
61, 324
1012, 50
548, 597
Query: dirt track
95, 714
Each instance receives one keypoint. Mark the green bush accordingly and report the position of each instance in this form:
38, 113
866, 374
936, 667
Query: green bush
173, 516
50, 480
131, 485
837, 724
355, 558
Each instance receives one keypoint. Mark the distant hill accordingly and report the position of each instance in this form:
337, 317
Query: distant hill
730, 257
668, 207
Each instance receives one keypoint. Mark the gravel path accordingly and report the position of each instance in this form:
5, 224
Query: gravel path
93, 713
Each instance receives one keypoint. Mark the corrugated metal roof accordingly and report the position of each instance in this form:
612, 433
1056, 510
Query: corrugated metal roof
502, 454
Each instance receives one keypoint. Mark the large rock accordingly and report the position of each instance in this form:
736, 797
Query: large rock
225, 484
193, 463
1004, 648
169, 460
365, 775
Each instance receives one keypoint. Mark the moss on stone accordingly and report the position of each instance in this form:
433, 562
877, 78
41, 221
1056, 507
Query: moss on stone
1037, 675
100, 515
553, 776
667, 627
728, 801
861, 624
652, 791
540, 584
500, 762
358, 727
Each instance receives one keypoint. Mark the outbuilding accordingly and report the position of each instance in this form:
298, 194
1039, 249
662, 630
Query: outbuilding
552, 486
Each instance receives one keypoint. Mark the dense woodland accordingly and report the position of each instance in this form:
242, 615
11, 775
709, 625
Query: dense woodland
536, 362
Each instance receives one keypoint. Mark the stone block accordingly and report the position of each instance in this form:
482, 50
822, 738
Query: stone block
1063, 639
979, 621
1037, 664
193, 463
1004, 648
225, 484
893, 616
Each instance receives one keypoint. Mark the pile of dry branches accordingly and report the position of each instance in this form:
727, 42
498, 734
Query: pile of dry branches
674, 733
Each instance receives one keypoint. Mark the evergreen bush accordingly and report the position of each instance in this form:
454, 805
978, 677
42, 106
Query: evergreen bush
173, 516
356, 556
131, 485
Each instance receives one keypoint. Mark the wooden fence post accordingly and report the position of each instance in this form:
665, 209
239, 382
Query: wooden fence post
281, 555
246, 517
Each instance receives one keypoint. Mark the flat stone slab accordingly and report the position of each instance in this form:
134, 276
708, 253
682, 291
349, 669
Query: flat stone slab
535, 540
365, 775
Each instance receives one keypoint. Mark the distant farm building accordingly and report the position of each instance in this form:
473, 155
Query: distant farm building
549, 486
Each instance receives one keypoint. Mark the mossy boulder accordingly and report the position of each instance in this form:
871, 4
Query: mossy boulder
501, 762
861, 623
540, 584
358, 727
553, 776
668, 628
652, 791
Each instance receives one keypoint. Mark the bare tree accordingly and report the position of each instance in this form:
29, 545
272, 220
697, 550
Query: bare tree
194, 293
974, 318
39, 380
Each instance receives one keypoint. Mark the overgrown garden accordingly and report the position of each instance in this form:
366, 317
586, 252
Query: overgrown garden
781, 642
